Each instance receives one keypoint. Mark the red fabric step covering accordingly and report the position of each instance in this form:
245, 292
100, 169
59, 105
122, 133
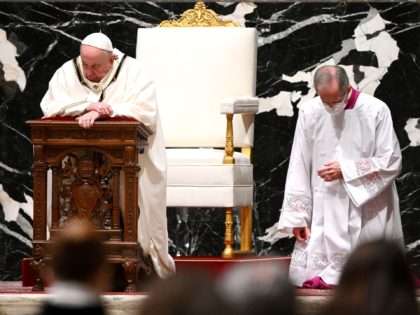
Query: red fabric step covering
214, 265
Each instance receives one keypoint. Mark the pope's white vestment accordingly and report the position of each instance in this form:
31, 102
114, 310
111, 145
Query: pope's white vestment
362, 206
130, 92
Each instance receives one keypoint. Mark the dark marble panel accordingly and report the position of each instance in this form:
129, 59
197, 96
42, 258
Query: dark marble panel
294, 39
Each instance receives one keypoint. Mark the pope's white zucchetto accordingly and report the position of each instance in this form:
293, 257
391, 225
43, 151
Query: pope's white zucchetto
98, 40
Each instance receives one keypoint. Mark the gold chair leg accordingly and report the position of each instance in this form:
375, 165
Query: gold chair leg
246, 229
228, 251
229, 148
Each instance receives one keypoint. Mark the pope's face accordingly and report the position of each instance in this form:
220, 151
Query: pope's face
96, 62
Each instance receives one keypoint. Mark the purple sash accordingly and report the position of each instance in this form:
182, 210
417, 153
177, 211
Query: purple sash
353, 98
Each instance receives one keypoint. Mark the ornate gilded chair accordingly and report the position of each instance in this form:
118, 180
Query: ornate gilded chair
204, 67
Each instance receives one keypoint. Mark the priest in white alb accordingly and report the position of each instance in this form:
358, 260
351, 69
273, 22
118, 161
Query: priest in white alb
340, 188
103, 82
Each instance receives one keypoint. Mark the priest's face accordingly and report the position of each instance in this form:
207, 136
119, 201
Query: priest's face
96, 62
331, 94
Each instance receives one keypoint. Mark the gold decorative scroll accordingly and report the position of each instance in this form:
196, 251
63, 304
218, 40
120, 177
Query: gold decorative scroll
200, 16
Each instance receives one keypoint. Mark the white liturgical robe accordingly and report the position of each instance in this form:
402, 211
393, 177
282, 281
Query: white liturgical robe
130, 92
362, 206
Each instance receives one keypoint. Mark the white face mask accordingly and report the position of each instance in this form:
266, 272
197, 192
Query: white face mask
336, 108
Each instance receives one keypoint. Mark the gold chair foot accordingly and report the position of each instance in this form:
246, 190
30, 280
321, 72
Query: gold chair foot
228, 252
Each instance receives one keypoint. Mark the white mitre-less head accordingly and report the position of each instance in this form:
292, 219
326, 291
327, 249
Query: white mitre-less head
98, 40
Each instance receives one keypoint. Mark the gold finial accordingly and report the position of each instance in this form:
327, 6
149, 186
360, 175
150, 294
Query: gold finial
199, 16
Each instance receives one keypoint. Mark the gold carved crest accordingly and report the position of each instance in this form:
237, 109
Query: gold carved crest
200, 16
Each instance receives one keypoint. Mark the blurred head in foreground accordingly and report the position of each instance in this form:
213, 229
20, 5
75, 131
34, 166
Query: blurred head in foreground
376, 280
259, 288
186, 293
78, 256
79, 272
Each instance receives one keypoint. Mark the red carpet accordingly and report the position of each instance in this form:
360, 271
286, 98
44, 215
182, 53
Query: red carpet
14, 287
216, 265
213, 265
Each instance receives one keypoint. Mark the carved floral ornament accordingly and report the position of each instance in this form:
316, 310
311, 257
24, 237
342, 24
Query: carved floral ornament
200, 16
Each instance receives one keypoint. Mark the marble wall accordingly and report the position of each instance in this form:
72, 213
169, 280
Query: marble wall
377, 42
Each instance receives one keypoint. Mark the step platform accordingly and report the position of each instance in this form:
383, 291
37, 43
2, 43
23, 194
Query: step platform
17, 298
214, 265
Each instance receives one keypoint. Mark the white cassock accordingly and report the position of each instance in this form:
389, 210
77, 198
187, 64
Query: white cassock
341, 214
130, 92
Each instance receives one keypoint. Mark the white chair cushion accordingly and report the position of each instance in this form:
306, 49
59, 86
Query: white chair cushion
209, 197
198, 178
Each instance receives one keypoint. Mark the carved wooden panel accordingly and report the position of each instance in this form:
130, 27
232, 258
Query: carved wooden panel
86, 190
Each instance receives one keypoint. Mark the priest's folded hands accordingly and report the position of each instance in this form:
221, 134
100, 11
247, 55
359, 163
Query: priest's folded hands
330, 171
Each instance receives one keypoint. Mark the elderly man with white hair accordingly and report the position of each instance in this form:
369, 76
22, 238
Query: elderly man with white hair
103, 82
